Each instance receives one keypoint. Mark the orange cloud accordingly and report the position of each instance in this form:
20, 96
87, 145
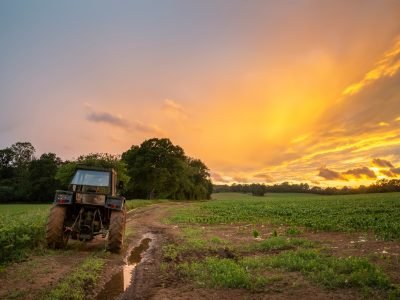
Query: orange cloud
330, 174
240, 179
357, 173
360, 173
218, 177
266, 177
386, 67
148, 128
105, 117
382, 163
175, 109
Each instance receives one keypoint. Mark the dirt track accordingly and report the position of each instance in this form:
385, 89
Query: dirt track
145, 279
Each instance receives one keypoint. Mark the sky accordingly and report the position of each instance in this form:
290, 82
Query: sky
261, 91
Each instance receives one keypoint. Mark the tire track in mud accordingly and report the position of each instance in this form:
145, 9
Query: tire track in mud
135, 275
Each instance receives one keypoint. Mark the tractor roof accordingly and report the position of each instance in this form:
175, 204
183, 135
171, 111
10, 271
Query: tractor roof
84, 167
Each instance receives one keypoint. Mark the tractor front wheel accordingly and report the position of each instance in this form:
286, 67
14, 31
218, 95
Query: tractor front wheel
116, 231
55, 236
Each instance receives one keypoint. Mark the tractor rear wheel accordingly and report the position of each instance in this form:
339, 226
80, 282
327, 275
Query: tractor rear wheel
55, 235
116, 231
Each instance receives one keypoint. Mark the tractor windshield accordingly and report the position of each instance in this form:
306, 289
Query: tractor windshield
91, 178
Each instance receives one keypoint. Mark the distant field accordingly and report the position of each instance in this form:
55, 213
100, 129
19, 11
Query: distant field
379, 213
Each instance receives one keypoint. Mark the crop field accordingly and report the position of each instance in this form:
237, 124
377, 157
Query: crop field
21, 229
341, 246
379, 213
279, 245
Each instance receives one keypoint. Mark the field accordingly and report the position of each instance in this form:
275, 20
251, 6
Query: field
379, 213
234, 246
21, 229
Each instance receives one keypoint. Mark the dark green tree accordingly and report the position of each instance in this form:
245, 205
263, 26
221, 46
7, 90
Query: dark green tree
42, 180
160, 169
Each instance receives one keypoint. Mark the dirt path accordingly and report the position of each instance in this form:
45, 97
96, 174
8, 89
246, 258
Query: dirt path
146, 223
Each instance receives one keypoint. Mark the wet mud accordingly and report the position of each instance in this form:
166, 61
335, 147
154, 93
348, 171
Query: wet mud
120, 281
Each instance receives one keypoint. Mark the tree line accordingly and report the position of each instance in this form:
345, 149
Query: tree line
154, 169
257, 189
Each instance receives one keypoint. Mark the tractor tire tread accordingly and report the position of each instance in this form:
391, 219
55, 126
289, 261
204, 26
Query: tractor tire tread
116, 231
55, 227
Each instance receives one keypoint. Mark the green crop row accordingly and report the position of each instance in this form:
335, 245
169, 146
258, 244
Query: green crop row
21, 229
379, 213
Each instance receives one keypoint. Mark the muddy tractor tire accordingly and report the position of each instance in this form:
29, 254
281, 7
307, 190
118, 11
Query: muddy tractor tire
56, 238
116, 231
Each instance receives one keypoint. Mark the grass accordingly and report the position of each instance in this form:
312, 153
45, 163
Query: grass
248, 273
282, 243
379, 213
76, 285
329, 271
225, 273
194, 240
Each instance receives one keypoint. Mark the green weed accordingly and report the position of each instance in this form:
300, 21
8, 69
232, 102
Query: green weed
331, 272
225, 273
77, 285
293, 231
170, 251
282, 243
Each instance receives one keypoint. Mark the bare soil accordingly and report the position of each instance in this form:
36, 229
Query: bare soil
30, 279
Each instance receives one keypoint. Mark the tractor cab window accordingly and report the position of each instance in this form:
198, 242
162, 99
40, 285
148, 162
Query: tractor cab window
91, 181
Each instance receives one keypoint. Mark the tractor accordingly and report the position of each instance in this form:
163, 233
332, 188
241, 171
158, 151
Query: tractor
91, 206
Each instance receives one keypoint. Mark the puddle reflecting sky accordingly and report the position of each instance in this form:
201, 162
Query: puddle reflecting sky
120, 281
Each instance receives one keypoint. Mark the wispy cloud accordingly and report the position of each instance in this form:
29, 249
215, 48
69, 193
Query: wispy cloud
392, 172
382, 163
330, 174
105, 117
386, 67
357, 173
264, 176
118, 121
175, 109
218, 178
147, 128
240, 179
360, 173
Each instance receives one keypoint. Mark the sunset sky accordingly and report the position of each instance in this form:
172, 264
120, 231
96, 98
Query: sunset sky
261, 90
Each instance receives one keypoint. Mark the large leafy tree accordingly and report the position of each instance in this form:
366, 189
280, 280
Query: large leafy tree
42, 181
160, 169
14, 171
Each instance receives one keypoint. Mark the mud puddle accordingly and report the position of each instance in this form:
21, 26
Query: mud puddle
120, 281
